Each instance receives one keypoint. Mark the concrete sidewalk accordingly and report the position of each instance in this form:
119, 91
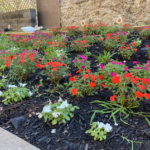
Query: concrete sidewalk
9, 141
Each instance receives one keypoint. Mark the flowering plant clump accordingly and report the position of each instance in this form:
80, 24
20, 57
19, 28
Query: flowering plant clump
91, 39
81, 62
55, 71
145, 33
122, 36
141, 71
110, 70
58, 112
13, 95
73, 30
127, 28
129, 95
148, 51
79, 45
23, 64
127, 50
86, 85
55, 30
99, 130
138, 42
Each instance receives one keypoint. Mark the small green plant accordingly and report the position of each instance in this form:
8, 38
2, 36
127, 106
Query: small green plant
138, 42
99, 130
104, 58
13, 95
58, 112
130, 141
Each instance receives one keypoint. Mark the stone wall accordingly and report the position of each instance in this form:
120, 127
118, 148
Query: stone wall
134, 12
18, 19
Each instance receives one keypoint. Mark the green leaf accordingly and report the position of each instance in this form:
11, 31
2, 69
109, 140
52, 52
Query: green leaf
54, 122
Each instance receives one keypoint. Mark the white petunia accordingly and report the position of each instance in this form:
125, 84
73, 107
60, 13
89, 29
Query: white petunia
101, 124
23, 85
12, 86
4, 77
39, 115
30, 93
116, 124
107, 127
56, 114
64, 104
53, 131
47, 109
0, 93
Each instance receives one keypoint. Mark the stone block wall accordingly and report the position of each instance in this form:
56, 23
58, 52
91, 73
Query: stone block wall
134, 12
18, 19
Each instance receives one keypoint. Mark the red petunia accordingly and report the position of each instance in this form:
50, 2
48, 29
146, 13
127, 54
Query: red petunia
141, 87
91, 84
134, 80
115, 79
74, 91
7, 65
103, 85
68, 74
88, 71
147, 96
133, 43
128, 75
72, 79
112, 98
79, 71
54, 69
11, 57
85, 76
138, 94
100, 77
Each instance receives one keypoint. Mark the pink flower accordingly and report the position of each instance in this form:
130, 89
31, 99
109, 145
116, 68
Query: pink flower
61, 59
134, 62
146, 68
80, 56
94, 34
101, 66
112, 74
109, 60
83, 57
40, 58
148, 79
114, 63
45, 52
81, 61
54, 59
82, 66
120, 63
125, 68
74, 61
137, 68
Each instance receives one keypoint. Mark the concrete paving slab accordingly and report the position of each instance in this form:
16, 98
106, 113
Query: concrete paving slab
9, 141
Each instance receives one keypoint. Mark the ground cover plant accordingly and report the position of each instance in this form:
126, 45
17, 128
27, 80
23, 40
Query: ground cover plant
87, 90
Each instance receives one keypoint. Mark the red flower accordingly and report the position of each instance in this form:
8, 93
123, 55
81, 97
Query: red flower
7, 65
74, 91
103, 85
68, 74
38, 85
134, 80
135, 49
54, 69
85, 76
87, 70
11, 57
112, 98
39, 66
147, 96
93, 78
72, 79
138, 94
48, 42
141, 87
91, 84
133, 43
128, 75
115, 79
127, 47
79, 70
100, 77
147, 46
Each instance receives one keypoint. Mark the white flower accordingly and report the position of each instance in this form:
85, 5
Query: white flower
60, 99
56, 114
3, 77
0, 93
107, 127
53, 131
30, 93
101, 125
23, 85
64, 104
47, 109
39, 115
116, 124
12, 86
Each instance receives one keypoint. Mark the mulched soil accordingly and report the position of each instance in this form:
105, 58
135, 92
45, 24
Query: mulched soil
71, 136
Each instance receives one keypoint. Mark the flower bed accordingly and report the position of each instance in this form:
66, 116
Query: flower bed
77, 91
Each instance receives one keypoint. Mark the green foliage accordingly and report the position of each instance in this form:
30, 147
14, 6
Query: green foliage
60, 112
13, 95
145, 33
104, 58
